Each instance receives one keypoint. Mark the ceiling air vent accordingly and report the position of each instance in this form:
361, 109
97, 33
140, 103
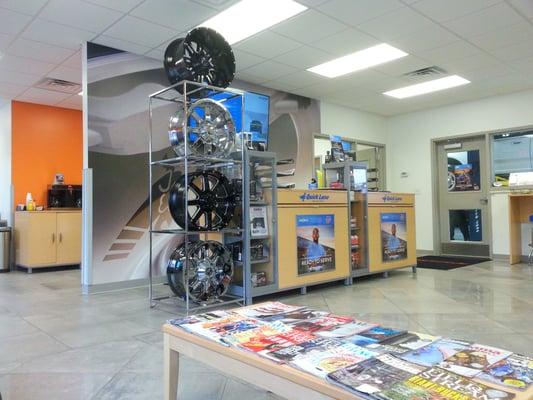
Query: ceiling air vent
424, 73
58, 85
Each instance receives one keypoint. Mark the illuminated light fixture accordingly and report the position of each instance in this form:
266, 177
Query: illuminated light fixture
427, 87
248, 17
359, 60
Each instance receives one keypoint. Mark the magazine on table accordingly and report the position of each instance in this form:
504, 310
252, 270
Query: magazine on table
474, 359
266, 310
436, 383
293, 317
375, 374
435, 352
382, 334
359, 340
345, 330
413, 340
263, 343
515, 371
219, 329
321, 363
256, 337
322, 323
192, 319
382, 348
289, 353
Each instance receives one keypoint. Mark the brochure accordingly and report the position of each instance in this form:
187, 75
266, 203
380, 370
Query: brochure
516, 371
258, 221
436, 352
474, 359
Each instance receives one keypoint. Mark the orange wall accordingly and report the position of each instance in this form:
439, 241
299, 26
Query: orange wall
45, 140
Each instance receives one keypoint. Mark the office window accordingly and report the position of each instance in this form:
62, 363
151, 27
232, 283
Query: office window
511, 152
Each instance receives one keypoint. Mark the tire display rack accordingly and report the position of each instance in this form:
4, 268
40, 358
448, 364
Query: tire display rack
185, 95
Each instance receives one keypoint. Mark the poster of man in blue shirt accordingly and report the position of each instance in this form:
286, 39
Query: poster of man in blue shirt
316, 243
393, 236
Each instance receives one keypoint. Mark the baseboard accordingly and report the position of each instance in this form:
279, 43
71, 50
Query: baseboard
501, 257
421, 253
112, 286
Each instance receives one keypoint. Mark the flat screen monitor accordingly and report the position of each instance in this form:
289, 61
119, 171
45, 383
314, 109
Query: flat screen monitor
256, 114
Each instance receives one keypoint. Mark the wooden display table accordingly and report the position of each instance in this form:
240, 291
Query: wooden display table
280, 379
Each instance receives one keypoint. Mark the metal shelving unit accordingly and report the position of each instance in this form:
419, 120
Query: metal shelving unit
235, 166
353, 176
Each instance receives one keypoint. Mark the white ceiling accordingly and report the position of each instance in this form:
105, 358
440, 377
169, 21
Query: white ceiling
489, 42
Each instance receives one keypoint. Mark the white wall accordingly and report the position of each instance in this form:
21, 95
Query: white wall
347, 122
5, 162
409, 150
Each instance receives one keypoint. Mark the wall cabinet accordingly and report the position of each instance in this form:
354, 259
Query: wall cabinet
47, 238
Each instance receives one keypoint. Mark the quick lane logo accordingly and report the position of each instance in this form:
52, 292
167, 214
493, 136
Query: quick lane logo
391, 199
314, 197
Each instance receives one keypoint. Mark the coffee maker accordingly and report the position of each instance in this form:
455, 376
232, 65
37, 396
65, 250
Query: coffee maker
64, 196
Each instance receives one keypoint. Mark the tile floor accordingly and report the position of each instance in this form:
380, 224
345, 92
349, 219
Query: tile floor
57, 344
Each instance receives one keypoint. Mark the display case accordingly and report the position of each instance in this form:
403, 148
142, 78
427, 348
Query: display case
352, 176
207, 196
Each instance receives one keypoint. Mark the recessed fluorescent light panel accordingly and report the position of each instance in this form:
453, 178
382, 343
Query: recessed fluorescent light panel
359, 60
427, 87
248, 17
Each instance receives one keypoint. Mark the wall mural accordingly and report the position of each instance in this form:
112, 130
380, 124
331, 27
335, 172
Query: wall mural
119, 84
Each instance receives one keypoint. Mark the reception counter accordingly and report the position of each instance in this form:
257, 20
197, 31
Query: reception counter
316, 239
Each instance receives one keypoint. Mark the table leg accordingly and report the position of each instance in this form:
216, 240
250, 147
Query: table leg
171, 370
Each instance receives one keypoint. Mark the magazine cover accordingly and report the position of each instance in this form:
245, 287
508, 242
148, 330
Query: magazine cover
516, 371
374, 375
321, 363
316, 243
474, 359
296, 316
278, 342
220, 328
289, 353
258, 221
192, 319
382, 348
436, 352
436, 383
345, 330
323, 323
359, 340
256, 337
393, 236
382, 334
266, 310
413, 340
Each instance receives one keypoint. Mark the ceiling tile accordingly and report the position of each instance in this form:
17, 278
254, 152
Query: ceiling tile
284, 87
156, 54
74, 61
39, 51
269, 70
66, 74
246, 77
364, 78
57, 34
402, 66
5, 40
80, 14
456, 50
35, 95
525, 7
309, 27
474, 61
355, 12
424, 39
9, 89
245, 60
30, 7
400, 22
346, 42
491, 72
514, 52
506, 36
301, 79
136, 30
525, 65
267, 44
383, 84
312, 3
12, 22
19, 78
180, 15
121, 44
119, 5
24, 65
441, 11
496, 16
75, 102
304, 57
219, 4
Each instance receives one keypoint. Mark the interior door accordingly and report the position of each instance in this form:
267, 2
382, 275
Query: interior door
463, 197
69, 238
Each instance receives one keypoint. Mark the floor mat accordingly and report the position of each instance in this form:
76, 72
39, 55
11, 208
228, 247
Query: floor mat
447, 263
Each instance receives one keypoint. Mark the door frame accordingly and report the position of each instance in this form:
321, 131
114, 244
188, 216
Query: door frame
485, 136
